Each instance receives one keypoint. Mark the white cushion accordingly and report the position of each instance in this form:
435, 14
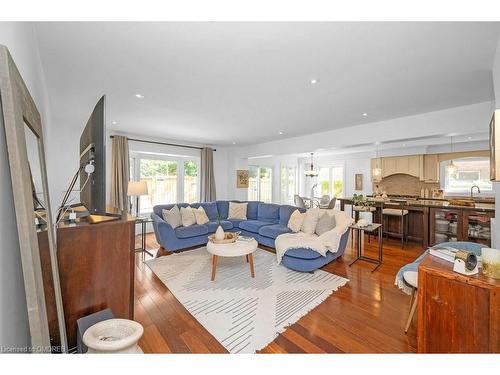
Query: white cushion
187, 216
295, 221
200, 216
411, 278
325, 223
237, 211
310, 220
172, 216
394, 212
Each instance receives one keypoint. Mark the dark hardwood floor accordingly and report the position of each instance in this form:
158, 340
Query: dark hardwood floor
365, 316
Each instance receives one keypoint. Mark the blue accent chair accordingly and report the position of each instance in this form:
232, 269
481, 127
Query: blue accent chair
265, 222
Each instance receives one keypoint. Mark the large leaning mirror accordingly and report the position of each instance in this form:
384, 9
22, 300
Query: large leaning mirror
23, 131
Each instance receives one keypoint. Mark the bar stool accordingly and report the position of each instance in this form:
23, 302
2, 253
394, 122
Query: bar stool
403, 221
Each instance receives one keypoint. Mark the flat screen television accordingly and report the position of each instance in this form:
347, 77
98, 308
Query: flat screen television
495, 146
93, 149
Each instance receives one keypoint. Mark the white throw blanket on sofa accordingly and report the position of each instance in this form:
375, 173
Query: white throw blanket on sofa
328, 241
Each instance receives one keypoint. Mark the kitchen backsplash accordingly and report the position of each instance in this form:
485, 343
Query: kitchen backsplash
402, 184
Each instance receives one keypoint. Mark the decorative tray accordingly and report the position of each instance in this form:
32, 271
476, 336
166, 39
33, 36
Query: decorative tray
229, 237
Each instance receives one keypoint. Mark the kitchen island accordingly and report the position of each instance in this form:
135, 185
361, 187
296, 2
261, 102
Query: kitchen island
435, 221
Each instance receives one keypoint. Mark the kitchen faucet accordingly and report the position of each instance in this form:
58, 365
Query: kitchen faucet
472, 191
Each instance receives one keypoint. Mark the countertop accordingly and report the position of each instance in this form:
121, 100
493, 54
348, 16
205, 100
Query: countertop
483, 207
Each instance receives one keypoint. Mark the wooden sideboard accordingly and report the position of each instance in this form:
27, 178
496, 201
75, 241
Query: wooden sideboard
456, 313
96, 269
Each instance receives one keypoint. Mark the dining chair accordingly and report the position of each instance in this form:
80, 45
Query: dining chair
324, 201
299, 202
331, 204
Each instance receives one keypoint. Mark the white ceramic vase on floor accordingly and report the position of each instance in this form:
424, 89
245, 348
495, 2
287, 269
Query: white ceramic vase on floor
114, 336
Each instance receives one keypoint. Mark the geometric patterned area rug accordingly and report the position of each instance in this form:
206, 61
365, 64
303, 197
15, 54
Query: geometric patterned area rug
244, 314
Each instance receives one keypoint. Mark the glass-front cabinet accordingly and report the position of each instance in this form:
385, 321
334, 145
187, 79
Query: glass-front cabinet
449, 225
445, 225
478, 226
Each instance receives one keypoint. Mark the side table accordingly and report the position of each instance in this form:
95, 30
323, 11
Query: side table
370, 229
143, 221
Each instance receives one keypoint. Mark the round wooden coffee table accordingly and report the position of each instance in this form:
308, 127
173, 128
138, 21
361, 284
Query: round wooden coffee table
235, 249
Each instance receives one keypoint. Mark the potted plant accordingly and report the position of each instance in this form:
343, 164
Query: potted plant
361, 203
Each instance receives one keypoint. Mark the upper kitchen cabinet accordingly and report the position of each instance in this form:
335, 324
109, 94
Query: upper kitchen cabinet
411, 165
431, 168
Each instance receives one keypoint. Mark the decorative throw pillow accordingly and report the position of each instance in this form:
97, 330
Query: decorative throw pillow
187, 216
325, 224
310, 220
201, 216
172, 216
237, 211
295, 221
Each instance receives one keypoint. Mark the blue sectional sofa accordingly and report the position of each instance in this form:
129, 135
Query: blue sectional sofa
265, 222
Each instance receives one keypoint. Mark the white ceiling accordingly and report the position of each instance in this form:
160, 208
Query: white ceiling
216, 83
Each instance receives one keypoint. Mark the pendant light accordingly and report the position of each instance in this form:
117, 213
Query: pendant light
311, 172
451, 168
377, 171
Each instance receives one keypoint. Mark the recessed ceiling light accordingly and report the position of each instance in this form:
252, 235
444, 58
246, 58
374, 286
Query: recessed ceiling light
404, 144
281, 133
114, 122
469, 137
139, 96
314, 81
234, 143
365, 114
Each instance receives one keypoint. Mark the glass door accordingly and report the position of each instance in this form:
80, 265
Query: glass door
330, 181
288, 184
260, 184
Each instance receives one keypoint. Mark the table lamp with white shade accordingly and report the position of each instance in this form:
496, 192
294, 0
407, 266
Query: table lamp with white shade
136, 189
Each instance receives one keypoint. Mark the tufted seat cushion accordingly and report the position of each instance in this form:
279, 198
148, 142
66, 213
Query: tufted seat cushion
253, 225
191, 231
302, 253
394, 212
273, 231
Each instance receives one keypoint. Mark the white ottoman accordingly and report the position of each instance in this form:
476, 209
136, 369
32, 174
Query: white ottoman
114, 336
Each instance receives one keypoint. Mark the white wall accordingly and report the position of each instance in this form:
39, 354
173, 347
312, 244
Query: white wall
496, 86
460, 120
14, 328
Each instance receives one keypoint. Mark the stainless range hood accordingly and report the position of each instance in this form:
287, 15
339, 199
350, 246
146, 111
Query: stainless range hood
495, 146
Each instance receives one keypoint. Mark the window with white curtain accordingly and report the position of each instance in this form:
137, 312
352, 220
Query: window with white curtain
170, 179
288, 183
260, 183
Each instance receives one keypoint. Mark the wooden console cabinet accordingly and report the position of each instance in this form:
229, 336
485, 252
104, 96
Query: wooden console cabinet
456, 313
96, 269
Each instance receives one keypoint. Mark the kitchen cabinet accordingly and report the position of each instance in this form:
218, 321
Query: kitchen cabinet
431, 168
415, 166
389, 166
445, 225
455, 224
411, 165
477, 227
